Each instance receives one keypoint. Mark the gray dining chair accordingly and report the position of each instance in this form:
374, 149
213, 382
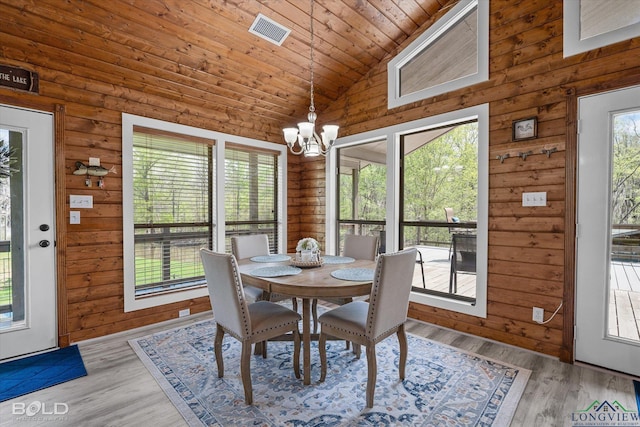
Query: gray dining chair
247, 247
248, 323
368, 323
357, 247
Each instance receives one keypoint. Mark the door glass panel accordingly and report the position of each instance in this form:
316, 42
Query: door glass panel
624, 283
12, 284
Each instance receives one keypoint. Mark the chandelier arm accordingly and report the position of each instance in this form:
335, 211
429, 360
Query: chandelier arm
292, 149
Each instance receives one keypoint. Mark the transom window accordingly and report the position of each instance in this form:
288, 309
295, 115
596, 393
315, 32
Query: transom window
453, 53
590, 24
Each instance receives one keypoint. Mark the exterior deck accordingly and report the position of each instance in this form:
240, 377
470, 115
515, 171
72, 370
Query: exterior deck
624, 300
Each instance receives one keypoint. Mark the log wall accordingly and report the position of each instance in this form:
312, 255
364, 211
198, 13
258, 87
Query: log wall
89, 75
530, 251
96, 64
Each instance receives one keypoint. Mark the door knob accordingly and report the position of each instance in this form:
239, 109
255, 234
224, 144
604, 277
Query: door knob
44, 227
43, 243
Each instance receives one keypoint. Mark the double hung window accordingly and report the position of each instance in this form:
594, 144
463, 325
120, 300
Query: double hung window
251, 193
173, 219
184, 189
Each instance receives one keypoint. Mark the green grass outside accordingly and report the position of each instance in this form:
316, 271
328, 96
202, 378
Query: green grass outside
149, 270
5, 278
5, 295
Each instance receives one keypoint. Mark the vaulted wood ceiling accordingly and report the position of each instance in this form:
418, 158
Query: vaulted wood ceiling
350, 36
209, 44
197, 58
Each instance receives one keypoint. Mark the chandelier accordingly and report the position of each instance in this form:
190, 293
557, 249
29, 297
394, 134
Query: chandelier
304, 139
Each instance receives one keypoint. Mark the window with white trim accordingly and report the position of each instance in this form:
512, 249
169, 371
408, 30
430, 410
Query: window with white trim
591, 24
251, 193
172, 209
176, 201
453, 53
435, 143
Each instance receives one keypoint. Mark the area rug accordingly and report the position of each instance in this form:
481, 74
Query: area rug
23, 376
444, 386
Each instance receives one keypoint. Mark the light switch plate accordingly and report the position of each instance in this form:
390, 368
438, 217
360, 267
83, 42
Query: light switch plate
94, 161
74, 217
80, 201
534, 199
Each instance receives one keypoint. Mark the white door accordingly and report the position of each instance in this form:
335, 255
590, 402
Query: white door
608, 247
27, 247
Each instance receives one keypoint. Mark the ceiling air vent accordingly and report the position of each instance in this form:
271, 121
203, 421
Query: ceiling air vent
269, 30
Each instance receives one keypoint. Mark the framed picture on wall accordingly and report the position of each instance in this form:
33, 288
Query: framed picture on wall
525, 129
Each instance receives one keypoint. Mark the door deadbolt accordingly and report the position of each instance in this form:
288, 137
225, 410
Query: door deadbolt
43, 243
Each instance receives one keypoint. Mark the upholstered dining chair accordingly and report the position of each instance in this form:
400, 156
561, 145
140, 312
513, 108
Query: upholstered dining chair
248, 247
368, 323
355, 246
248, 323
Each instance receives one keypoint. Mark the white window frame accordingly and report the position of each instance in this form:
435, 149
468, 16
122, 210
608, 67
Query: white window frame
131, 303
450, 19
393, 134
573, 44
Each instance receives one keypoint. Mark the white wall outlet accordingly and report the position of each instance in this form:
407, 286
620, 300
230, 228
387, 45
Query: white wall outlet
185, 312
534, 199
74, 217
80, 201
538, 314
94, 161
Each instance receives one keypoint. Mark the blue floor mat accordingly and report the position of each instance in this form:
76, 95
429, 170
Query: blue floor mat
23, 376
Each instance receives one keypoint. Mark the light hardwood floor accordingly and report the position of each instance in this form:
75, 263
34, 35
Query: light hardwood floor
119, 391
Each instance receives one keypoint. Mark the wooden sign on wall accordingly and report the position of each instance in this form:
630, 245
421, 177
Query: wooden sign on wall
18, 78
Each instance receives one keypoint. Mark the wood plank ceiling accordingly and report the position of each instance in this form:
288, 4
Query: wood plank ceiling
213, 56
350, 36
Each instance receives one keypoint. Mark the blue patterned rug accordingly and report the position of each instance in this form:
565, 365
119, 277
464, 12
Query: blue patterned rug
444, 386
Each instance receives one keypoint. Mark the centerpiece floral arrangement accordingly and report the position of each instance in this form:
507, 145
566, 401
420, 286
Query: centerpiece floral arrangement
307, 244
308, 253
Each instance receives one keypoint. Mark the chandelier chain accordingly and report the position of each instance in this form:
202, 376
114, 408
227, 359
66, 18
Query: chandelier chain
312, 107
304, 139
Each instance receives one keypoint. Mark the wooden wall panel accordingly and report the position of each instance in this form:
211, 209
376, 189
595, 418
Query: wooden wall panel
100, 61
92, 62
528, 77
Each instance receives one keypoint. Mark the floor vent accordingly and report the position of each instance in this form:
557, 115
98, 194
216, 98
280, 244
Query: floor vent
269, 30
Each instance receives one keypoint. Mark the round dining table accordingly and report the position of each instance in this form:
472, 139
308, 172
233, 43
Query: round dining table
307, 283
